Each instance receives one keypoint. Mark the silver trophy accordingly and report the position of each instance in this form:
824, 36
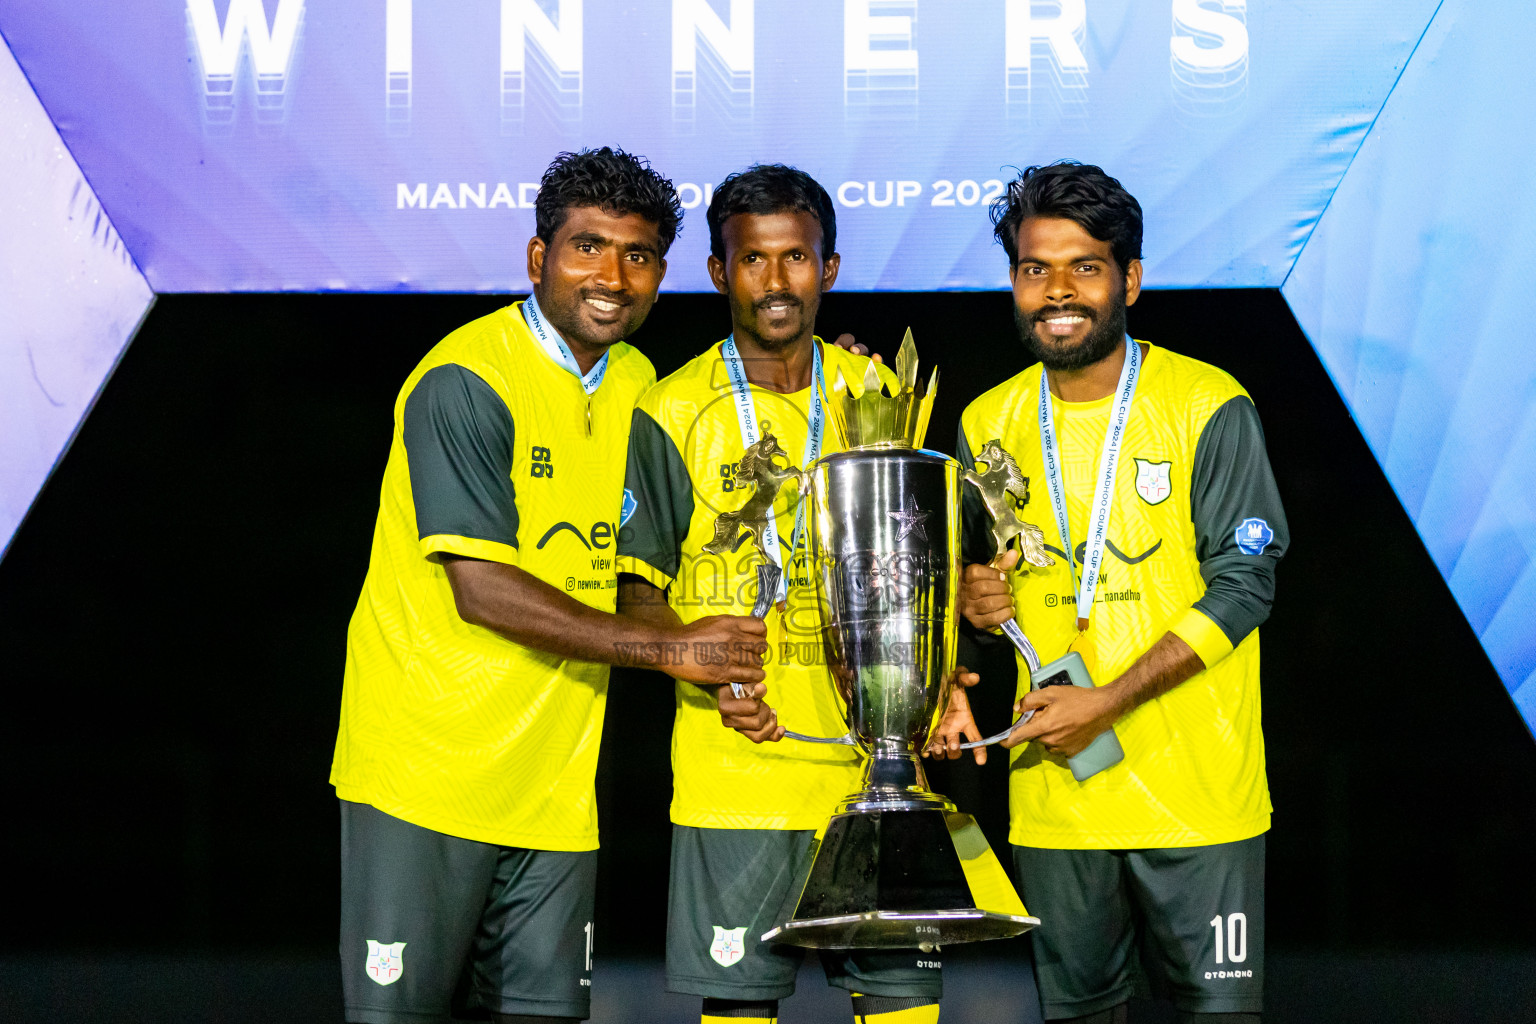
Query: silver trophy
897, 865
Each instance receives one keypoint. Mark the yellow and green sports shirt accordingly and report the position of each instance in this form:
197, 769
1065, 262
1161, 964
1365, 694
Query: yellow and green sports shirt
448, 725
1195, 532
683, 453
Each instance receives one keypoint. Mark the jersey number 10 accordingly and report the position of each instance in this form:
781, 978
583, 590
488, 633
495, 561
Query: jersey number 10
1237, 937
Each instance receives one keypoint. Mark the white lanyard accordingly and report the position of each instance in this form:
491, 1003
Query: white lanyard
746, 418
558, 350
1104, 487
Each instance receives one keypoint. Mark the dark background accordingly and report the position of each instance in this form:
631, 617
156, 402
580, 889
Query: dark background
173, 616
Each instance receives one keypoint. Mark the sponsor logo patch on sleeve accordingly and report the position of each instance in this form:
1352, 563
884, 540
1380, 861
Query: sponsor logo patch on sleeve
1253, 536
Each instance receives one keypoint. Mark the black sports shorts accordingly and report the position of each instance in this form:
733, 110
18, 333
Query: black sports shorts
1195, 916
431, 923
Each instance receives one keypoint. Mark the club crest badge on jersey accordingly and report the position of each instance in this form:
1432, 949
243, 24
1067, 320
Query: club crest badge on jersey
729, 945
627, 509
1253, 536
386, 961
1153, 481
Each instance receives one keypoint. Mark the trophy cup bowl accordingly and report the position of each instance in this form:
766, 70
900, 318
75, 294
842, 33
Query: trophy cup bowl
885, 545
897, 866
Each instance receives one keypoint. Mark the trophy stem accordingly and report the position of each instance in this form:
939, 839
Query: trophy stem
894, 780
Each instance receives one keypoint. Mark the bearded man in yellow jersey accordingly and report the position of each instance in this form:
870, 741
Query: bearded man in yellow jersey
473, 700
1147, 470
744, 815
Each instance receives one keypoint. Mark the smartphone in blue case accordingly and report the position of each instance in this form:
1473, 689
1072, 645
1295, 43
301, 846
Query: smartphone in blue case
1105, 750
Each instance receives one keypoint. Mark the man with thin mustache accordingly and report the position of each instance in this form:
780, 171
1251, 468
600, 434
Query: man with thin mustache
745, 811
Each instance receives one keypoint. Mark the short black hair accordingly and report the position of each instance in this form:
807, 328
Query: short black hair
771, 188
1081, 193
612, 180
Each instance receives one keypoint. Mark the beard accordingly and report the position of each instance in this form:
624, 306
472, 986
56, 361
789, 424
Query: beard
1106, 331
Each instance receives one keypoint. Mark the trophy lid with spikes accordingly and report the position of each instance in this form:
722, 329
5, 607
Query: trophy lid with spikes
875, 418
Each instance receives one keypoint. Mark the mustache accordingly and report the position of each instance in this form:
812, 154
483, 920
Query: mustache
622, 298
1041, 315
777, 300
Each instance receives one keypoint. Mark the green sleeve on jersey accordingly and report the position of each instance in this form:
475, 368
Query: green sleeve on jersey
657, 480
458, 445
1231, 485
976, 545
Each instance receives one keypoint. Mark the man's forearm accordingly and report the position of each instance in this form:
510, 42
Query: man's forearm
1165, 665
527, 611
642, 599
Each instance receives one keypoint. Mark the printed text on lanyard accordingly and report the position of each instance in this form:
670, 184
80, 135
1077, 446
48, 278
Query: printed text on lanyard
746, 418
1104, 485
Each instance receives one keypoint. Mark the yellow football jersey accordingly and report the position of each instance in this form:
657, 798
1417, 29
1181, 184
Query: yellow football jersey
498, 454
682, 466
1195, 530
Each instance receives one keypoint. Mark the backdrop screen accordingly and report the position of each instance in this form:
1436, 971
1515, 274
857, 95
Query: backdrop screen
380, 145
396, 145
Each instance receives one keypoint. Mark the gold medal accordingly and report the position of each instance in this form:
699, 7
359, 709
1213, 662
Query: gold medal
589, 416
1083, 645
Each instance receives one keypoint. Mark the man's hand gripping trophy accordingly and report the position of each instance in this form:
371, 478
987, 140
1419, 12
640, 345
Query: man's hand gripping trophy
986, 599
746, 710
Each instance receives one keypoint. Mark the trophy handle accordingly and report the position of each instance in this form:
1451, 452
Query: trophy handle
1001, 479
845, 740
768, 576
758, 468
1027, 652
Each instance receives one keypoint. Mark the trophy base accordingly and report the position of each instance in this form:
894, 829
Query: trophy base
900, 879
885, 929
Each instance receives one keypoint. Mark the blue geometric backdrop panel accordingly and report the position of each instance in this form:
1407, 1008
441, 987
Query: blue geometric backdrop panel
1416, 291
70, 297
380, 145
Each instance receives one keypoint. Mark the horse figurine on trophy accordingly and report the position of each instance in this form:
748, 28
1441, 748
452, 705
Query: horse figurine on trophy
758, 469
767, 479
1002, 478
